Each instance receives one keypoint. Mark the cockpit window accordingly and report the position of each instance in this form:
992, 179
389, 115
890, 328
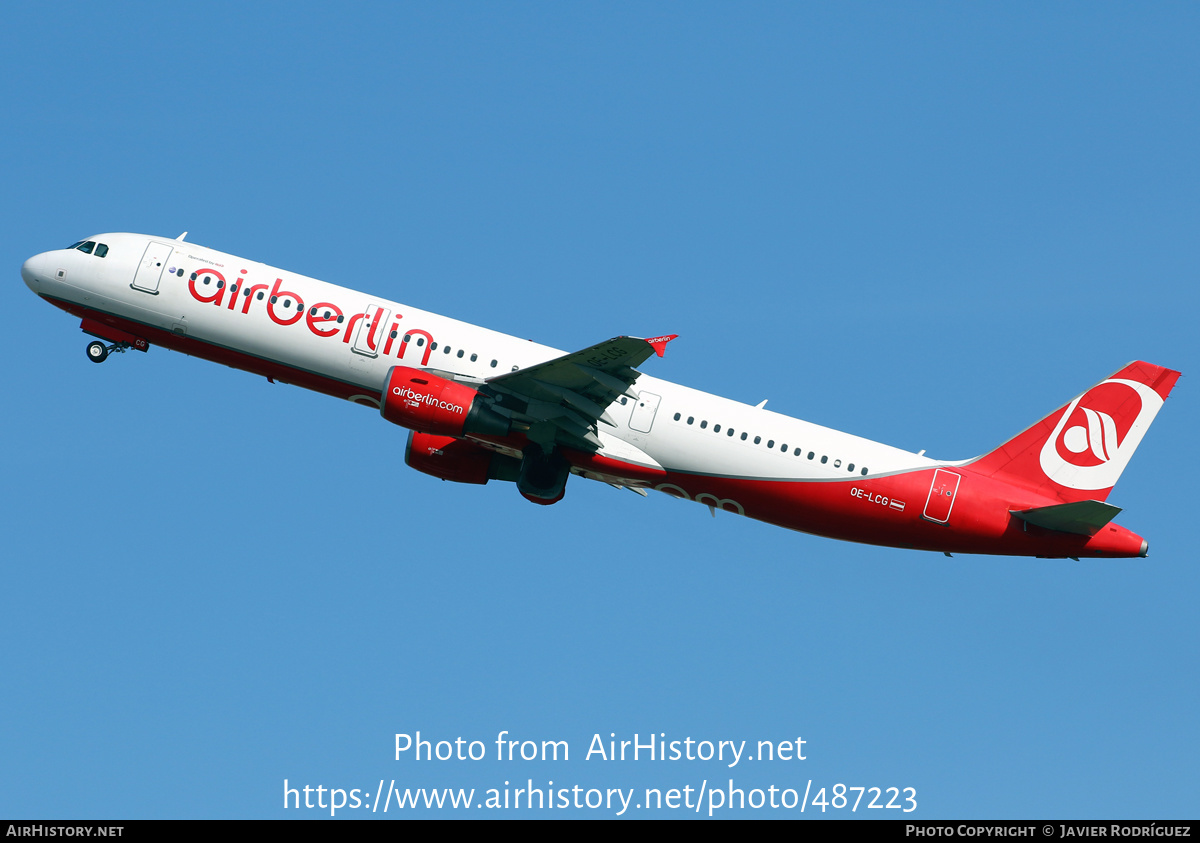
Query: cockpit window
87, 247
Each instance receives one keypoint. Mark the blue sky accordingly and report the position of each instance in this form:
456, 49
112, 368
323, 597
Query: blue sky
926, 224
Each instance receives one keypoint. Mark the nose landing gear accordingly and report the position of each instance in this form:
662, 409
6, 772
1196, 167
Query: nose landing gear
121, 340
98, 352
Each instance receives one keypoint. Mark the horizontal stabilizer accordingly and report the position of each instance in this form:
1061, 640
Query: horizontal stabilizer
1084, 518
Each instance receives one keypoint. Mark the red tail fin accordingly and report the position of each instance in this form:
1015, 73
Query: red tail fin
1077, 452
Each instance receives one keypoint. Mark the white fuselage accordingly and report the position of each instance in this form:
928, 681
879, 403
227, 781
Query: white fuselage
679, 435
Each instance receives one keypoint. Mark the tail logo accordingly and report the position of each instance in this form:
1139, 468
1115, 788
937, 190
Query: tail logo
1098, 433
1090, 440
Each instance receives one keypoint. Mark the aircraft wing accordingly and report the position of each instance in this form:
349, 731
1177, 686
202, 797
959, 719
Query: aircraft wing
562, 399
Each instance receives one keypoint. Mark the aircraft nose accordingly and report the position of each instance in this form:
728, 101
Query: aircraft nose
34, 270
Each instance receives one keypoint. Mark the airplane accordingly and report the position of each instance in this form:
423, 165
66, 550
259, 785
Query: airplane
481, 405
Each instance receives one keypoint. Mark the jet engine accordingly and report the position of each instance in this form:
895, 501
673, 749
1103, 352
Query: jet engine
458, 460
543, 477
430, 404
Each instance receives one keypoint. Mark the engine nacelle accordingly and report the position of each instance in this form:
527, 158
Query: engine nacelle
543, 477
458, 460
430, 404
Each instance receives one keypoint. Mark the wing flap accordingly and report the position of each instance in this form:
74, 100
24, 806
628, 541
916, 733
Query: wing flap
612, 383
581, 403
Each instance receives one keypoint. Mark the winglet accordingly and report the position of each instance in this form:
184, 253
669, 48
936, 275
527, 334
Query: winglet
659, 344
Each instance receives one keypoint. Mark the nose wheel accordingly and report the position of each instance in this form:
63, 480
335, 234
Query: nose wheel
98, 352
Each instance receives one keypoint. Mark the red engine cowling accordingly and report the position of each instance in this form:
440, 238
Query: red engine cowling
458, 460
448, 458
430, 404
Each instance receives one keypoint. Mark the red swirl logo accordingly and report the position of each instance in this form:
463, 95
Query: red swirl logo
1097, 425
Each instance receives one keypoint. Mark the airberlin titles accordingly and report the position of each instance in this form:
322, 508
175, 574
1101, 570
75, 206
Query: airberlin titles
285, 307
424, 402
412, 398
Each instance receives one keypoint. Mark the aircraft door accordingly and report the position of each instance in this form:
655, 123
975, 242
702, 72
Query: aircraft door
941, 495
369, 336
150, 270
644, 409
